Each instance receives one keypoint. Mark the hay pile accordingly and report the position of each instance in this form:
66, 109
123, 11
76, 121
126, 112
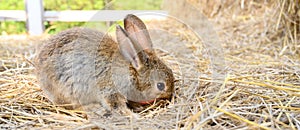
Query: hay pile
261, 88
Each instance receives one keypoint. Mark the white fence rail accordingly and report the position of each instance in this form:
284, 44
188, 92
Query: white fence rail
34, 15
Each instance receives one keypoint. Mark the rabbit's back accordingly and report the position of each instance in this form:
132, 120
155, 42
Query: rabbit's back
73, 66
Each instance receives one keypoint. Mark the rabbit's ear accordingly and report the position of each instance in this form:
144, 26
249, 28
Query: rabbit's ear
137, 31
127, 48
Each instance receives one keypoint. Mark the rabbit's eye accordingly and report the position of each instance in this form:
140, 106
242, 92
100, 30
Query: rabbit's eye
160, 86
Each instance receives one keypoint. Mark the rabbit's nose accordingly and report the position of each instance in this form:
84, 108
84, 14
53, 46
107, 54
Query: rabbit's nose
160, 86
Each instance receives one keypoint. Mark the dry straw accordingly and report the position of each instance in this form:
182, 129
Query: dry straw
261, 90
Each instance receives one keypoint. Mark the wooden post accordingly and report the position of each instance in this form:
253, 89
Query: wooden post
34, 19
108, 6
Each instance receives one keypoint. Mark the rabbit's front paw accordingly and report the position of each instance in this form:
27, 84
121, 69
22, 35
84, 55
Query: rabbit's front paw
97, 111
117, 103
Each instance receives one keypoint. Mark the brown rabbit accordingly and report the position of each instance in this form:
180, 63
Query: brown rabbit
82, 66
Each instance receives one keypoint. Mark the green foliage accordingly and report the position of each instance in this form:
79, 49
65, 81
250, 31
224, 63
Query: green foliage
12, 5
137, 4
12, 27
54, 27
73, 4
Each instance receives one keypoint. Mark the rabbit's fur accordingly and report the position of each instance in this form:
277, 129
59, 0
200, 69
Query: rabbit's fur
82, 66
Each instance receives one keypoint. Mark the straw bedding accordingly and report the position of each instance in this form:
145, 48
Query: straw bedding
259, 86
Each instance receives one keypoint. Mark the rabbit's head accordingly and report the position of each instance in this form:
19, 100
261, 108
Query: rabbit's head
151, 79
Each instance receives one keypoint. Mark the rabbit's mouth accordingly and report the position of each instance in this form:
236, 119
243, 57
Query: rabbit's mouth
143, 102
142, 105
148, 102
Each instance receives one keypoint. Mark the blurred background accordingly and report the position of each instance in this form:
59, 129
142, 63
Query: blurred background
255, 44
17, 27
